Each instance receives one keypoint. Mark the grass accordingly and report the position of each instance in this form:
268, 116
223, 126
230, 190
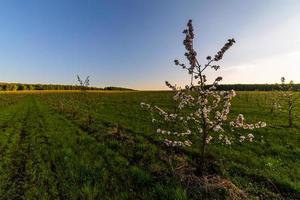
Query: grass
101, 145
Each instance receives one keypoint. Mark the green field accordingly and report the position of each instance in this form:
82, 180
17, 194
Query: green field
102, 145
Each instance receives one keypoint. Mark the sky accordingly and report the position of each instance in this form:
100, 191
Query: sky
132, 43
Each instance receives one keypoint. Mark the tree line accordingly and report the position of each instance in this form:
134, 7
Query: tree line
255, 87
21, 87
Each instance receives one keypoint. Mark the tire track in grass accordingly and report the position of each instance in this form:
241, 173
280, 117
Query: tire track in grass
41, 184
14, 156
54, 136
9, 116
18, 166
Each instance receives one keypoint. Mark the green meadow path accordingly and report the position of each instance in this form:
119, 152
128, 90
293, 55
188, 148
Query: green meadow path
45, 156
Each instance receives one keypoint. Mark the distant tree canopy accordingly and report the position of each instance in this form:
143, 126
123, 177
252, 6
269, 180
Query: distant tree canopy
117, 88
21, 87
254, 87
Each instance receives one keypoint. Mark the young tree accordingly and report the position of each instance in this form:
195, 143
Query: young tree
289, 98
202, 111
83, 84
273, 101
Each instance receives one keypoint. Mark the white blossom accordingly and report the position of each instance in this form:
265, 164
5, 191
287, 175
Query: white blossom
250, 137
208, 139
242, 138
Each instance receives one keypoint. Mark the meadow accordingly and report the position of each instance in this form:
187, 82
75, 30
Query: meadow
102, 145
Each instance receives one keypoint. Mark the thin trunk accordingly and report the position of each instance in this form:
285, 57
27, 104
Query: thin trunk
202, 164
272, 109
290, 118
290, 113
200, 170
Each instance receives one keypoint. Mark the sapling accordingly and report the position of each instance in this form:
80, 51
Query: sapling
87, 118
289, 98
274, 101
83, 84
202, 113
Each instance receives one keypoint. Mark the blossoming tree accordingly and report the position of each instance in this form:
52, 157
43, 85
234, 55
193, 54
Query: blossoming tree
202, 111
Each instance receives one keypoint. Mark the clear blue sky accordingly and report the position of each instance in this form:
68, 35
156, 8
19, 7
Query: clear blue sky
132, 43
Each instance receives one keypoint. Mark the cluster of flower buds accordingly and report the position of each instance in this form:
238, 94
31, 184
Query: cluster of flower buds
188, 44
220, 53
163, 132
218, 79
170, 143
185, 100
180, 94
180, 64
260, 124
218, 128
239, 123
250, 138
208, 139
229, 94
162, 113
242, 138
215, 83
145, 105
224, 139
215, 67
173, 87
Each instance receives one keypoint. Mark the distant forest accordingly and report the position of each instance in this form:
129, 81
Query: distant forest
255, 87
21, 86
